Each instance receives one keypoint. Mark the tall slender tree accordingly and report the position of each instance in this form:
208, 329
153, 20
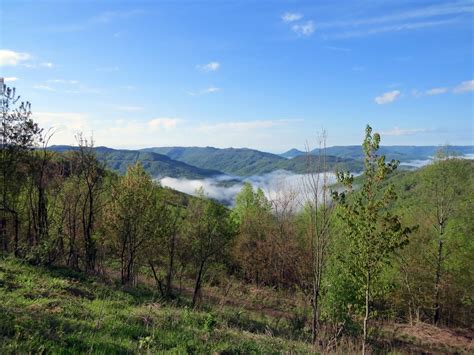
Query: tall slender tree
18, 135
374, 232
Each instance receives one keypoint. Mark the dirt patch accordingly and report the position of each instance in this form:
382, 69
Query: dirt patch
434, 339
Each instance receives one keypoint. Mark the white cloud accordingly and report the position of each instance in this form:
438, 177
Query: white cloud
465, 86
44, 87
454, 8
212, 66
10, 79
304, 29
209, 90
291, 17
12, 58
129, 108
338, 49
109, 16
64, 125
387, 97
404, 131
163, 122
244, 125
62, 81
46, 64
391, 28
436, 91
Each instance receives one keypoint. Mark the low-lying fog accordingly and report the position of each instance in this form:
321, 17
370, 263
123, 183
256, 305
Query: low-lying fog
224, 188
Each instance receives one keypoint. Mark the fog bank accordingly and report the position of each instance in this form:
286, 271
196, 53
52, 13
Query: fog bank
224, 188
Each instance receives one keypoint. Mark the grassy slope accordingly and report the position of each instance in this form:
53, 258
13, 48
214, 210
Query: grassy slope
58, 311
55, 310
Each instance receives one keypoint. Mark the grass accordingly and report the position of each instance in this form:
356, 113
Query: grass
60, 311
56, 310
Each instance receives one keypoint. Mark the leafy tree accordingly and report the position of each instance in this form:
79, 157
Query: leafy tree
374, 232
444, 187
18, 135
91, 174
208, 230
252, 216
133, 219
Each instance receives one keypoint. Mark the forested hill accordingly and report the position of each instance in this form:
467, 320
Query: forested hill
398, 152
232, 161
157, 165
203, 162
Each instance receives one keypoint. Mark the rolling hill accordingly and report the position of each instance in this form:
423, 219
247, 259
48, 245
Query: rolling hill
232, 161
157, 165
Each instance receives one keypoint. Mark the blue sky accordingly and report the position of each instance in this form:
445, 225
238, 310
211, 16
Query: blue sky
261, 74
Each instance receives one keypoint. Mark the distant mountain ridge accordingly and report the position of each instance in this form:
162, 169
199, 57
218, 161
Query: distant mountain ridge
206, 162
400, 152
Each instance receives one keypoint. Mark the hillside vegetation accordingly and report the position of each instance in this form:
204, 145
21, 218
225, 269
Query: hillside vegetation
157, 165
100, 262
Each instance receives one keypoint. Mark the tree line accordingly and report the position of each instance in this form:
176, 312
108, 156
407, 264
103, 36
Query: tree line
386, 245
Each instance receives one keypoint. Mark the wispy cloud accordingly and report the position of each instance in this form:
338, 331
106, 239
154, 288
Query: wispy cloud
65, 125
67, 86
453, 8
338, 49
436, 91
163, 122
62, 81
44, 87
209, 90
12, 58
417, 18
465, 86
245, 125
212, 66
46, 64
391, 28
404, 131
304, 29
104, 18
10, 79
110, 16
291, 17
128, 108
387, 97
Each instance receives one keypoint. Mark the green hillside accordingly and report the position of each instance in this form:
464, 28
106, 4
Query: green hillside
56, 310
299, 164
232, 161
157, 165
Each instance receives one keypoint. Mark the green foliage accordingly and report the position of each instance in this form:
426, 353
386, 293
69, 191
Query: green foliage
58, 311
374, 232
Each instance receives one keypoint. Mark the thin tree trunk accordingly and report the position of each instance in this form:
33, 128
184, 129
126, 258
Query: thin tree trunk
367, 309
437, 314
169, 276
197, 286
314, 328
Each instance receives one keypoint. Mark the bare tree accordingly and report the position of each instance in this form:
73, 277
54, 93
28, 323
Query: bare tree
318, 211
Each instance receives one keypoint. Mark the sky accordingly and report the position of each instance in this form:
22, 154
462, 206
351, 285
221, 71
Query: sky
261, 74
